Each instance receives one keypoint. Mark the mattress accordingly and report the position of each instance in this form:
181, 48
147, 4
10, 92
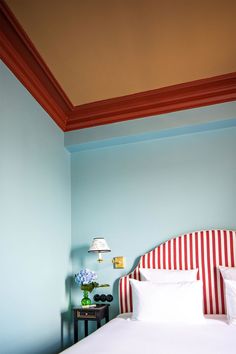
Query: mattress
124, 335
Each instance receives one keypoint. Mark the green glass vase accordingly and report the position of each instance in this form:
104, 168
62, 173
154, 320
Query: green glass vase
86, 300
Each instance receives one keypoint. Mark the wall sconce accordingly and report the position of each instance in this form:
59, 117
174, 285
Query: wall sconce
118, 262
99, 245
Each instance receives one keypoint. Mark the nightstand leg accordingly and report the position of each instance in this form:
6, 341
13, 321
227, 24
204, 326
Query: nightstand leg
107, 315
98, 324
75, 330
86, 328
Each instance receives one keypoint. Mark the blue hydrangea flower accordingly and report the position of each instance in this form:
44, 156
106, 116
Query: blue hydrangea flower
85, 276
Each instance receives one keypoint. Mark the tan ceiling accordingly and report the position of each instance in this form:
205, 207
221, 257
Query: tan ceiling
99, 49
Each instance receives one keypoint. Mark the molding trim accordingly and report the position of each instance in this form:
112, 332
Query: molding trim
189, 95
19, 54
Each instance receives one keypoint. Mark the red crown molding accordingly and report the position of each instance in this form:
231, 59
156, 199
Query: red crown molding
20, 55
193, 94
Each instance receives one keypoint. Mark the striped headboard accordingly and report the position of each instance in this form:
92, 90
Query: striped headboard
205, 250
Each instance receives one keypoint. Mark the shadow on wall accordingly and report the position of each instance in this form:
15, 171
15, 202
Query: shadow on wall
78, 258
66, 316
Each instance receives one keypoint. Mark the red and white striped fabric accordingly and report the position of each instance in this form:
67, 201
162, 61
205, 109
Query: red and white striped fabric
205, 250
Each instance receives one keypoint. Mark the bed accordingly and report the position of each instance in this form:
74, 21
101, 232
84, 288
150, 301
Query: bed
202, 250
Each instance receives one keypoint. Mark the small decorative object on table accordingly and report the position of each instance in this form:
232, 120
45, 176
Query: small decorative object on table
86, 279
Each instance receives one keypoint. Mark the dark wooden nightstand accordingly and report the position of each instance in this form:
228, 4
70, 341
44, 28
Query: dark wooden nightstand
97, 314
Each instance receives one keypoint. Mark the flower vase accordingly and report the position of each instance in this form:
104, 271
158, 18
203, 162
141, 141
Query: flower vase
86, 300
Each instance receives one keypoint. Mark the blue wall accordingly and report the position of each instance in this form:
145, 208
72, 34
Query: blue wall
139, 195
35, 223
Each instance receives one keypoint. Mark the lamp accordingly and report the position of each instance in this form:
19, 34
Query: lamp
99, 245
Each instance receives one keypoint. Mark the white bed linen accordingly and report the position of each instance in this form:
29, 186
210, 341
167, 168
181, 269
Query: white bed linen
123, 335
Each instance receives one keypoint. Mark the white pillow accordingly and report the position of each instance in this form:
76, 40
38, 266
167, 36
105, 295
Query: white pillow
228, 273
167, 302
168, 276
230, 292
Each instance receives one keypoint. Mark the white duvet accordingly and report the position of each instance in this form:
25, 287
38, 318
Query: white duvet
122, 335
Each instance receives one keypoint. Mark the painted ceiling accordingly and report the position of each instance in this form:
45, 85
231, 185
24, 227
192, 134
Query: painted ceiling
100, 49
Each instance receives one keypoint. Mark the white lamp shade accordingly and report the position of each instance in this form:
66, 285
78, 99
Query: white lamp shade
99, 245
